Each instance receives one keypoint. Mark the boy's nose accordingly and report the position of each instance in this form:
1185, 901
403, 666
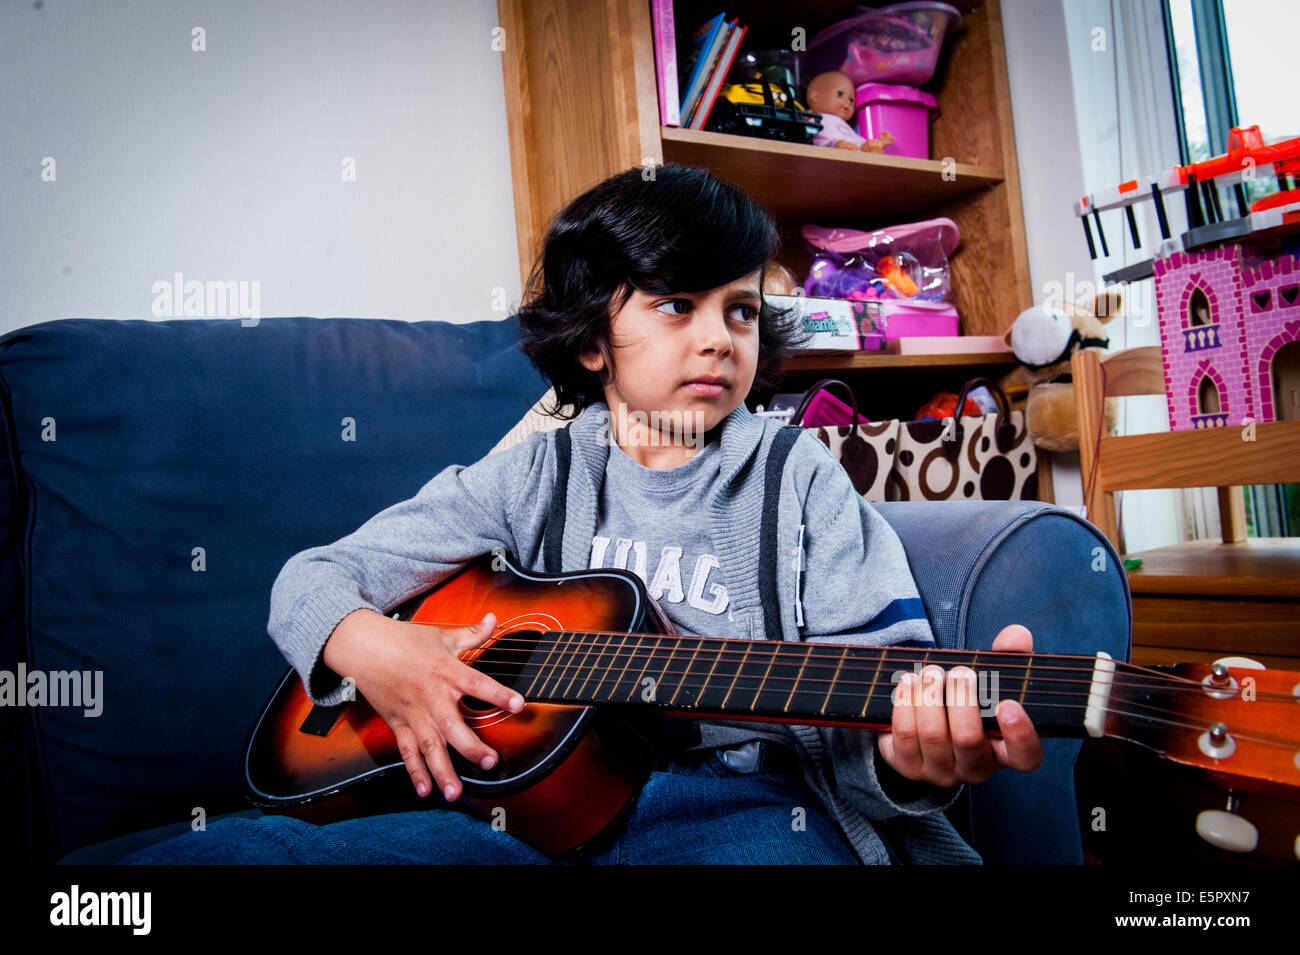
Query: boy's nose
713, 334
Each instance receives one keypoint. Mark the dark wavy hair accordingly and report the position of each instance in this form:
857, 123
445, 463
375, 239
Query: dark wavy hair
681, 229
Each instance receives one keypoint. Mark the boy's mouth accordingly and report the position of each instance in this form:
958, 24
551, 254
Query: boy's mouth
709, 386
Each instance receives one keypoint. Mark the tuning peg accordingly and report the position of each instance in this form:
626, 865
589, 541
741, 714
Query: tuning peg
1220, 684
1227, 830
1241, 663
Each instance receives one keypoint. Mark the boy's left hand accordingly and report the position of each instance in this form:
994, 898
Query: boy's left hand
947, 745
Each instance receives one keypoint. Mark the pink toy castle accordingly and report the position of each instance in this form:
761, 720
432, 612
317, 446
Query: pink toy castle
1229, 336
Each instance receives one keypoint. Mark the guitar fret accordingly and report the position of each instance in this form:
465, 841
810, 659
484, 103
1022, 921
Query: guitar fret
814, 670
574, 645
579, 665
875, 681
835, 667
735, 676
545, 664
844, 652
985, 674
613, 656
649, 658
726, 663
667, 668
797, 677
753, 704
513, 646
602, 641
1055, 704
687, 674
624, 670
975, 665
652, 667
703, 659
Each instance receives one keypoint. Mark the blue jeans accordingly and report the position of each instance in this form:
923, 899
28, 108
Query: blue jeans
697, 810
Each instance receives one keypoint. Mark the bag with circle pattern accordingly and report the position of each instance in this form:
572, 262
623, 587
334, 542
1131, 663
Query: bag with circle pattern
986, 458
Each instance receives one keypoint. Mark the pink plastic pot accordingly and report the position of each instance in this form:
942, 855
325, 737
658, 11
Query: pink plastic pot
904, 111
908, 319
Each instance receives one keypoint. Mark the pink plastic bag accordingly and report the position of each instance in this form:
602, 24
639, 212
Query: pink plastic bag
908, 261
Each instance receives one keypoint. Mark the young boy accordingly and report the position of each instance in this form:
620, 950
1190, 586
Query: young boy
645, 312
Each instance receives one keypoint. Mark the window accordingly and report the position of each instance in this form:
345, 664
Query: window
1207, 397
1232, 64
1198, 308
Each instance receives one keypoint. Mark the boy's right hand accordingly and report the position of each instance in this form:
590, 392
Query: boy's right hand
410, 673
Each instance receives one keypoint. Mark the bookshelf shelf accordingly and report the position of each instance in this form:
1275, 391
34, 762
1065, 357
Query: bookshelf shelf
816, 183
850, 361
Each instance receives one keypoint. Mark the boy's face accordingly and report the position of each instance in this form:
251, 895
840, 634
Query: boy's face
662, 344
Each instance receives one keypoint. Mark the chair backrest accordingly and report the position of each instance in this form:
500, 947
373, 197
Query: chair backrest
1224, 457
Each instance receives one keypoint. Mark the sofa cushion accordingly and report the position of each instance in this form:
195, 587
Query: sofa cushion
162, 473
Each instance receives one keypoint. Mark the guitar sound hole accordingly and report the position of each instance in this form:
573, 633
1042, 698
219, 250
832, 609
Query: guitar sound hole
505, 660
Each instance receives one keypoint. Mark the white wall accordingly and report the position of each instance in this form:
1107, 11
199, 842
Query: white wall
1124, 104
227, 164
1051, 166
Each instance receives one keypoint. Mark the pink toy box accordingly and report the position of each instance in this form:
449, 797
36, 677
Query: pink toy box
1229, 333
902, 111
905, 318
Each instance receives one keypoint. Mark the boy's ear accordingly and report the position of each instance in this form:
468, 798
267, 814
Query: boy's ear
591, 361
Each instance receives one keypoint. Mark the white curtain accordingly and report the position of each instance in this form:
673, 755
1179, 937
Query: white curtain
1125, 108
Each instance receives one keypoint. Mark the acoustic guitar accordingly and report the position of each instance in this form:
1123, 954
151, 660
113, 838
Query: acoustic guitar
592, 654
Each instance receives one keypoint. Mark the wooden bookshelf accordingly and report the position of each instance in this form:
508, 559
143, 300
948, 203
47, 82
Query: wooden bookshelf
583, 104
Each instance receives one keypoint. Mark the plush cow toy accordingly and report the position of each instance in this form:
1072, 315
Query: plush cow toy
1043, 338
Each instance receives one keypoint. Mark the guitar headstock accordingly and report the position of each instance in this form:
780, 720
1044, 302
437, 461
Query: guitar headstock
1238, 723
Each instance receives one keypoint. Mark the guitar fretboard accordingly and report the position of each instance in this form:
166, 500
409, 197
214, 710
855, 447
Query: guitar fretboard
791, 682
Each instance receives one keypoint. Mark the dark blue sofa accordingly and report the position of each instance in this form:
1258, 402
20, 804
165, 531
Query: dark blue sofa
136, 452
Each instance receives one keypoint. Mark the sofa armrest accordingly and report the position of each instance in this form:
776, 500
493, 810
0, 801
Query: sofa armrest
981, 565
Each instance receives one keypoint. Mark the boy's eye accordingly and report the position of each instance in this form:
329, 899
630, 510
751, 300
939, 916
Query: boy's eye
747, 312
685, 303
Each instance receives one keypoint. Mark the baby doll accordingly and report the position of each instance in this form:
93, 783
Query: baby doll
831, 94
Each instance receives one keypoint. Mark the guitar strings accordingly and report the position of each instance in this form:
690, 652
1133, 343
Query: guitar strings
560, 671
1167, 685
811, 653
1265, 739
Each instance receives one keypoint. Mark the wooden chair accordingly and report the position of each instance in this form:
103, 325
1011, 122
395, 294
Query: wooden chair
1197, 600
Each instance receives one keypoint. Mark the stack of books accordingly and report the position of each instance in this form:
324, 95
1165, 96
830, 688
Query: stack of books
688, 90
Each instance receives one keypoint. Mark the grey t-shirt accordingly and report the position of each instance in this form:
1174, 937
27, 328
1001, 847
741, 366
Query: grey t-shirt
655, 524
